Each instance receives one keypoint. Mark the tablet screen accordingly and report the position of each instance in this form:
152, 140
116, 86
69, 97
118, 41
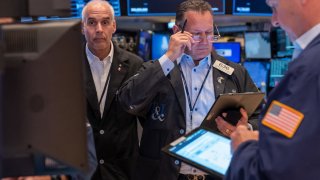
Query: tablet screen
207, 150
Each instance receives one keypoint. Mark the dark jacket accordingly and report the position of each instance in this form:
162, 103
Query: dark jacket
149, 89
115, 134
276, 156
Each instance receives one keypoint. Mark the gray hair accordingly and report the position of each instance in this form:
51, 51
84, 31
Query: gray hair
102, 2
191, 5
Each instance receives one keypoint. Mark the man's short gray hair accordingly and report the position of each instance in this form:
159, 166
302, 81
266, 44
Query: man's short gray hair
102, 2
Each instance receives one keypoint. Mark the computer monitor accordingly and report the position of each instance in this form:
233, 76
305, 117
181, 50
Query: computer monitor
160, 43
278, 68
229, 50
42, 99
259, 73
165, 7
144, 46
251, 8
281, 44
257, 45
20, 8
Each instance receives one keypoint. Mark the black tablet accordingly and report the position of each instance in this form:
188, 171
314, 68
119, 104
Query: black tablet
233, 102
203, 149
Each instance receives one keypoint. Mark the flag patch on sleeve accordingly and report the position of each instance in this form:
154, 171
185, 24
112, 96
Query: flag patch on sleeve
282, 118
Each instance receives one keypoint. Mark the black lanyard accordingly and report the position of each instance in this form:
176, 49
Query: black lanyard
105, 86
191, 107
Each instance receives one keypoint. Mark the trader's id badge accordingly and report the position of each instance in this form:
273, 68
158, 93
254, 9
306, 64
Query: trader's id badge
283, 119
223, 67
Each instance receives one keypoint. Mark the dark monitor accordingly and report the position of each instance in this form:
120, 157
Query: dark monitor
165, 7
160, 43
281, 44
229, 50
20, 8
257, 45
251, 8
278, 68
42, 99
259, 73
144, 46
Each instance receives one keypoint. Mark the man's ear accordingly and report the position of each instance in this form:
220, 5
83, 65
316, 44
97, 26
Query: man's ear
175, 28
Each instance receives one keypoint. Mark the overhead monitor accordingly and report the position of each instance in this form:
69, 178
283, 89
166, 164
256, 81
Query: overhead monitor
257, 45
160, 43
229, 50
251, 8
42, 98
259, 73
21, 8
165, 7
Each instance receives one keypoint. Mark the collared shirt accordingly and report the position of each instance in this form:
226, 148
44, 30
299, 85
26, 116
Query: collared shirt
194, 76
100, 70
302, 42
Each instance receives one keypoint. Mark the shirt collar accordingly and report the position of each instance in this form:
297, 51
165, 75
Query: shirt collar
93, 58
187, 58
307, 37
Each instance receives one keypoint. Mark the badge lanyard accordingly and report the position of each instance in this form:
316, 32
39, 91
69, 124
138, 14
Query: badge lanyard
104, 88
191, 107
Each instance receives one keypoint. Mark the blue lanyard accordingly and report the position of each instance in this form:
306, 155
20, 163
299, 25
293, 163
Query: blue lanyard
191, 107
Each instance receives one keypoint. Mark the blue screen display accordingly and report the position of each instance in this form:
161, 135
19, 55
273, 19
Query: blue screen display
251, 8
144, 46
77, 6
206, 149
160, 43
229, 50
277, 70
257, 45
165, 7
259, 72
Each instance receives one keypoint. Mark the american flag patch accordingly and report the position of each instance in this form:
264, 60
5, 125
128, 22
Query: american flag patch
282, 119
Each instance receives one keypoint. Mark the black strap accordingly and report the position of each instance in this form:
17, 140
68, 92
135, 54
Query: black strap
191, 107
105, 86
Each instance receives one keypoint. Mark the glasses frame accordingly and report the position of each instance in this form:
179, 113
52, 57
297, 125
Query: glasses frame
216, 37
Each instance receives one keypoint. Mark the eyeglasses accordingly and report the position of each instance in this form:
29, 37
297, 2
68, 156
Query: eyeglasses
211, 37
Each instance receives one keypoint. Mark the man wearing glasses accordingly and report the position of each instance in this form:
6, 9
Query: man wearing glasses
174, 94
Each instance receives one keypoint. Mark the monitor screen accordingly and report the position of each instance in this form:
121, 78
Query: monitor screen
160, 43
229, 50
144, 46
278, 68
165, 7
281, 44
257, 45
259, 72
43, 99
80, 3
251, 8
20, 8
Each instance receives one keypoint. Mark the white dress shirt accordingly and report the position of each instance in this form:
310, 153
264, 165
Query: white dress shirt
100, 70
302, 42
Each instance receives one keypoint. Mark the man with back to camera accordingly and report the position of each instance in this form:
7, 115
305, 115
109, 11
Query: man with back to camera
286, 146
107, 67
174, 94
